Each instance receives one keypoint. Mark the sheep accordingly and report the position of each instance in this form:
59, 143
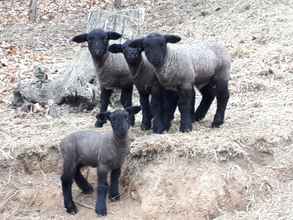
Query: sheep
164, 102
112, 70
205, 65
106, 151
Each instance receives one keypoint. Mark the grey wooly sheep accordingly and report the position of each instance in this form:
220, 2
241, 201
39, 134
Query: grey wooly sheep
112, 70
106, 151
203, 64
147, 84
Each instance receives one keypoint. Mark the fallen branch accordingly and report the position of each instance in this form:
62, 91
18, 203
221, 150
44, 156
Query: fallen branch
84, 205
32, 13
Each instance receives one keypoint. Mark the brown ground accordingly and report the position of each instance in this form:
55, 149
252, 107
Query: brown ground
243, 170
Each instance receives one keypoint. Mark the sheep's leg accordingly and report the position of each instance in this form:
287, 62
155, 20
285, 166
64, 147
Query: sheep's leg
172, 101
126, 101
193, 102
170, 104
66, 181
82, 183
102, 190
222, 94
156, 108
114, 187
146, 111
208, 96
105, 100
184, 104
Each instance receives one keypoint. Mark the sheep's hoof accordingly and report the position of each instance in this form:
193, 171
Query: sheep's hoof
168, 125
185, 127
158, 131
145, 126
185, 130
99, 124
101, 211
217, 124
114, 198
88, 190
194, 119
197, 117
72, 209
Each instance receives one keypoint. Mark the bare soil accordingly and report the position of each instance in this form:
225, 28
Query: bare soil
244, 170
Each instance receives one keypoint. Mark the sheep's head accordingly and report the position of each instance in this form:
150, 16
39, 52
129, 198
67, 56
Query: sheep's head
132, 55
155, 47
98, 41
120, 119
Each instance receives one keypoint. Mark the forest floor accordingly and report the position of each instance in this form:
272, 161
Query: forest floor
243, 170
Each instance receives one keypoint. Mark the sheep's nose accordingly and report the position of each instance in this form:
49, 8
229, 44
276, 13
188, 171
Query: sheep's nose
99, 53
157, 63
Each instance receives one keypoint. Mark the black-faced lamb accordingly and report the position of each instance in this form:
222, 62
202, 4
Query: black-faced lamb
146, 83
179, 67
144, 78
106, 151
112, 70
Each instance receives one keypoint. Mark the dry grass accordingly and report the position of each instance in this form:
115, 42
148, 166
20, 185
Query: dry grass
240, 171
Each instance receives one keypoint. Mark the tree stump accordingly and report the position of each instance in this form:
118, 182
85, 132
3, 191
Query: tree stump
32, 13
78, 85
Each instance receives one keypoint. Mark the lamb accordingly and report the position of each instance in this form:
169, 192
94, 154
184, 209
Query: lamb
205, 65
112, 70
146, 83
163, 101
106, 151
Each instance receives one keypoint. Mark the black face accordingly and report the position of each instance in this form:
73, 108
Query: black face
120, 120
98, 41
155, 47
120, 123
132, 55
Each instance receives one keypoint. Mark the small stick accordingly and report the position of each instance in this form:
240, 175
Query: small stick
84, 205
33, 199
9, 177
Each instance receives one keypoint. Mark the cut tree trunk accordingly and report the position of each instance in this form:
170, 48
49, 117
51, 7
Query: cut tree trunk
32, 13
78, 85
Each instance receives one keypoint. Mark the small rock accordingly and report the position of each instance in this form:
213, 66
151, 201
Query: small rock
244, 7
37, 108
266, 72
52, 109
40, 73
3, 62
26, 107
204, 13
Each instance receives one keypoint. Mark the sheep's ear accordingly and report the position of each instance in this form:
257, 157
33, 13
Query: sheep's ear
138, 43
79, 38
115, 48
104, 116
114, 35
133, 109
172, 38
